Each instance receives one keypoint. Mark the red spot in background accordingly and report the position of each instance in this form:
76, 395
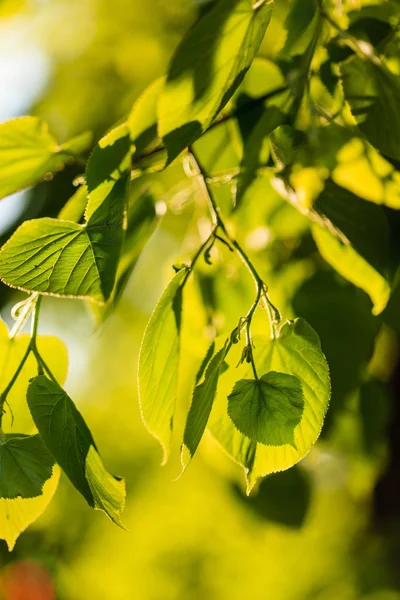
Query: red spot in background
26, 580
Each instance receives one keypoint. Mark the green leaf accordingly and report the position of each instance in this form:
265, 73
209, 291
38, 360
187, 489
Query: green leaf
63, 258
159, 364
28, 153
362, 170
142, 120
256, 149
296, 351
269, 409
341, 314
373, 93
353, 238
207, 68
302, 14
74, 208
69, 440
202, 401
16, 515
142, 222
108, 163
78, 144
25, 465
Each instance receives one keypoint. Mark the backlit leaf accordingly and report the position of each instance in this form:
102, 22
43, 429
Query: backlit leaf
16, 515
28, 153
69, 440
25, 465
202, 401
269, 409
64, 258
207, 68
159, 364
296, 351
354, 240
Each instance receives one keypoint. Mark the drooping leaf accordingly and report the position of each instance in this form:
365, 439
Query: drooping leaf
159, 364
25, 466
28, 153
202, 401
296, 351
16, 515
207, 68
269, 409
363, 171
355, 241
373, 93
346, 260
142, 222
64, 258
69, 440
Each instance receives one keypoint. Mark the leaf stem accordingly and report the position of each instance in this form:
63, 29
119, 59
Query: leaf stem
6, 391
218, 222
21, 313
199, 252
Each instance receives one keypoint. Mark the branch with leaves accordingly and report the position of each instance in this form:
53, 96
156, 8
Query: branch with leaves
317, 125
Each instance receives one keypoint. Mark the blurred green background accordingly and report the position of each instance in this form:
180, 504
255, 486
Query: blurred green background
326, 529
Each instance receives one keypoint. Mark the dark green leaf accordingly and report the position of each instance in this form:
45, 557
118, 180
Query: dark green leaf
267, 410
69, 440
25, 466
373, 93
202, 401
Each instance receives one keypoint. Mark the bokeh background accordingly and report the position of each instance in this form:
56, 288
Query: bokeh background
325, 530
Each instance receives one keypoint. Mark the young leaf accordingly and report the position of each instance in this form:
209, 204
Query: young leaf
207, 68
202, 401
25, 465
159, 364
296, 351
69, 440
28, 153
16, 515
269, 409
